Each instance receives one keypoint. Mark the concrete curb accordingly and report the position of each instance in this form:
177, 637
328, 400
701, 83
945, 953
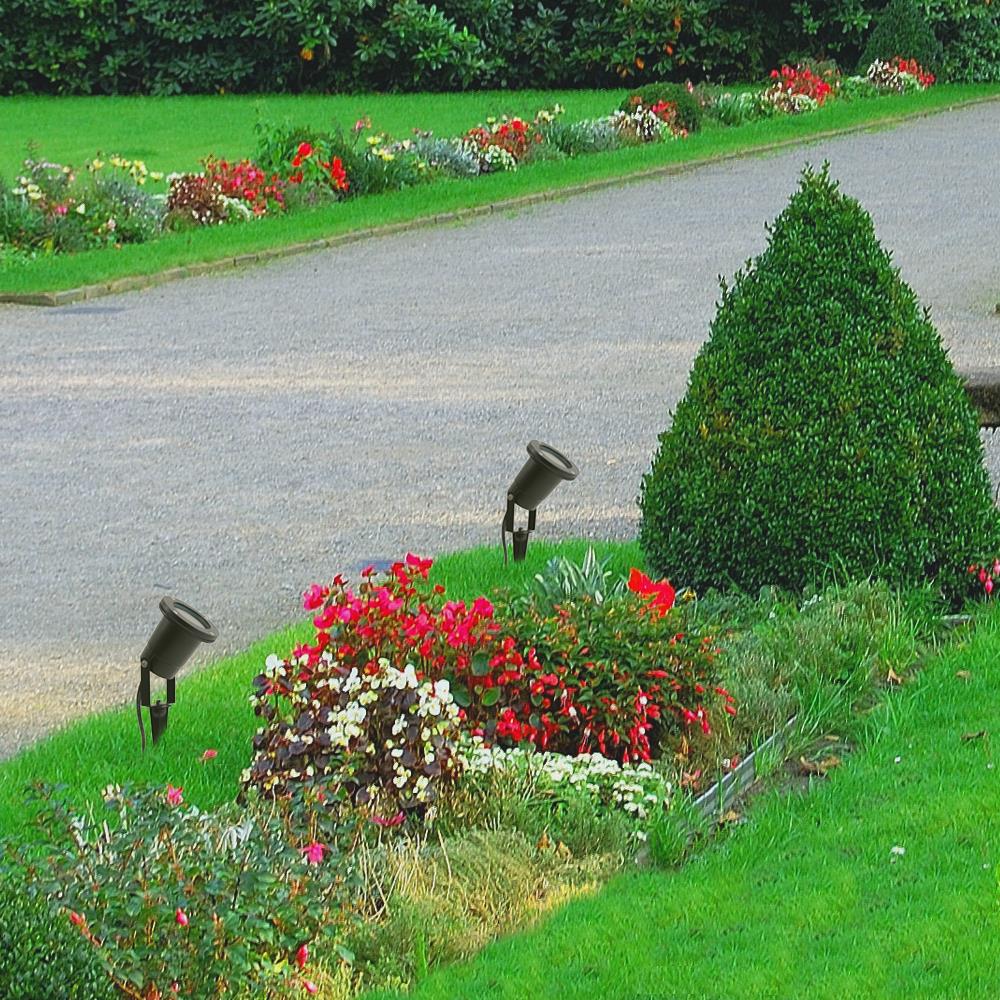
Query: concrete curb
136, 282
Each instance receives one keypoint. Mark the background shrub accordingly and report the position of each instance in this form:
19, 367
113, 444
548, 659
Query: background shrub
823, 426
969, 31
902, 30
42, 955
190, 46
689, 113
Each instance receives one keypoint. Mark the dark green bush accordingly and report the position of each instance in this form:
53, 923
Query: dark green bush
969, 30
823, 426
902, 29
191, 46
43, 956
689, 111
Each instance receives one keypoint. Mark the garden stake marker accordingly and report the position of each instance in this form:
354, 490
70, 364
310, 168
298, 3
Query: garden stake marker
175, 638
545, 469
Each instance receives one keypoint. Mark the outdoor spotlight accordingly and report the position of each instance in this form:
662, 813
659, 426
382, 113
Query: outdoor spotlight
545, 469
175, 638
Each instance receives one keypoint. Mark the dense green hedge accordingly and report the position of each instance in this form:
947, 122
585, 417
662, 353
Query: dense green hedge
174, 46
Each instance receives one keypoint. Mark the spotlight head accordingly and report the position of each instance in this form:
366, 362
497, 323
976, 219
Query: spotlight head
545, 469
179, 633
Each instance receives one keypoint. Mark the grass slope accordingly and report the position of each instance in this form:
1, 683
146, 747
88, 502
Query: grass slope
213, 711
171, 133
807, 898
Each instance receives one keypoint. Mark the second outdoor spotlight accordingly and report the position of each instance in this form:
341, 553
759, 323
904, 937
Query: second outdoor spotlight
178, 634
539, 476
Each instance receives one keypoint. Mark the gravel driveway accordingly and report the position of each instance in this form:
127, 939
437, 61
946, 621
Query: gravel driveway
232, 439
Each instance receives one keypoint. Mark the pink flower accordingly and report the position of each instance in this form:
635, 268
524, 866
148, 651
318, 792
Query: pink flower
302, 956
314, 597
988, 586
482, 607
418, 564
309, 986
76, 919
326, 617
209, 754
174, 797
181, 917
314, 852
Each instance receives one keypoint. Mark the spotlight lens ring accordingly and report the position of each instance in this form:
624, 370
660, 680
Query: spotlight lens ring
553, 460
187, 618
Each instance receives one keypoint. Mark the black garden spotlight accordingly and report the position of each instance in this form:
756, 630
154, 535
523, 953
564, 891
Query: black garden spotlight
179, 633
539, 476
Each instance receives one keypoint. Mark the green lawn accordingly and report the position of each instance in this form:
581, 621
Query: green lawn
172, 133
807, 899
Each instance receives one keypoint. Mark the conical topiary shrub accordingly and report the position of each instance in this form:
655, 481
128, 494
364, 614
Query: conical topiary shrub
823, 426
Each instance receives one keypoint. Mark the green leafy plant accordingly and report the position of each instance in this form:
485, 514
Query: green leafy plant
823, 425
618, 677
211, 902
41, 953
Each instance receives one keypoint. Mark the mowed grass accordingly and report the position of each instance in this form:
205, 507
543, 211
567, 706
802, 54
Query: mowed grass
173, 133
213, 710
807, 898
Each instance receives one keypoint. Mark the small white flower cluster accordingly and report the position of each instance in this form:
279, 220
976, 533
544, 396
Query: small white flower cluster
434, 711
885, 76
237, 209
643, 123
636, 789
492, 159
792, 104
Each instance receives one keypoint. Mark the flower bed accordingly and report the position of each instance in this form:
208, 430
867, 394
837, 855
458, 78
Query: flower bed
420, 755
54, 208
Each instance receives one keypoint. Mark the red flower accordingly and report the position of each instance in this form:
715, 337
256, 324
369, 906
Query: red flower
392, 821
302, 956
181, 917
304, 150
662, 594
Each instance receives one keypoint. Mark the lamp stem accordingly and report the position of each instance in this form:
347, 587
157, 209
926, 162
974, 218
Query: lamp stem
158, 719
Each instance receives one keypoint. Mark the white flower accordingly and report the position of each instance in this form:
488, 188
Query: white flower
273, 662
898, 851
81, 209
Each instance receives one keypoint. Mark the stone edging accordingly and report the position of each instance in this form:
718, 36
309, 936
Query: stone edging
138, 281
712, 803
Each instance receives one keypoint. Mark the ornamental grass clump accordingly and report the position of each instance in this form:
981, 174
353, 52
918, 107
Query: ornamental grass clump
824, 429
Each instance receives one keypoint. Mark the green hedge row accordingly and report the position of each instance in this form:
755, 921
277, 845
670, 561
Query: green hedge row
199, 46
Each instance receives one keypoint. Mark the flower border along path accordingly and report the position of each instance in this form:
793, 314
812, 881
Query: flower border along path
136, 282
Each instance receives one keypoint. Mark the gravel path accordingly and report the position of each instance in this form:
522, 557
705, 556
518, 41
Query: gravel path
232, 439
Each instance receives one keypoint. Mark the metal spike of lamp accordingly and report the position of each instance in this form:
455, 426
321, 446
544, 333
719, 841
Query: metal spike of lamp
179, 633
545, 469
